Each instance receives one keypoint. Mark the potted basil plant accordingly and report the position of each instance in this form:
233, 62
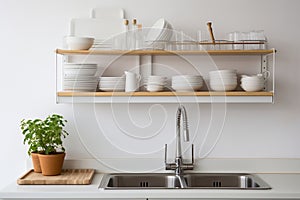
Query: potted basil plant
44, 138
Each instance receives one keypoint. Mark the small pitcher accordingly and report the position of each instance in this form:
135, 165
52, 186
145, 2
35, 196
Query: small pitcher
132, 81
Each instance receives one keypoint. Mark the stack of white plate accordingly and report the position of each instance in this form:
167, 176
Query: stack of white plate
109, 84
160, 31
252, 83
80, 77
223, 80
187, 83
155, 83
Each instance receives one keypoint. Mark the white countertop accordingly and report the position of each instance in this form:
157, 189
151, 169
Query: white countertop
284, 186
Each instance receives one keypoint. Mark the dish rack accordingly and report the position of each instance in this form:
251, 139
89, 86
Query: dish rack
209, 45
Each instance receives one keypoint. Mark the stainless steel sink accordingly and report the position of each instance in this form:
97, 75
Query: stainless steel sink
186, 181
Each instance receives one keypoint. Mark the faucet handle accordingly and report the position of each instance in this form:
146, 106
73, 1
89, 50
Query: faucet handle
168, 166
189, 166
193, 161
166, 153
166, 147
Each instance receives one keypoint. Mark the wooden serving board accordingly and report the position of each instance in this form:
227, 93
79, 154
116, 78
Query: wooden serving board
67, 177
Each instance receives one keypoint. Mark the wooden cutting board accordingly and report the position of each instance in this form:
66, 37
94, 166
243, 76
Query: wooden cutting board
67, 177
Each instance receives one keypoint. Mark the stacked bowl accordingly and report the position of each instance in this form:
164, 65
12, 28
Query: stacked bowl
223, 80
79, 43
187, 83
253, 83
155, 83
109, 84
80, 77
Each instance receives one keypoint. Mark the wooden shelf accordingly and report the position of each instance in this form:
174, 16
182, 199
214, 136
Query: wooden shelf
165, 97
162, 52
166, 94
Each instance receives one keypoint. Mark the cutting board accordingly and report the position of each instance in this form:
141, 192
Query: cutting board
67, 177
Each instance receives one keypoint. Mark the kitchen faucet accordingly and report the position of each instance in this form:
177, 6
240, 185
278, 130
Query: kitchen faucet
179, 165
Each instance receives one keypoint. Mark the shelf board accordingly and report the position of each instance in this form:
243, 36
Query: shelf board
202, 93
165, 97
162, 52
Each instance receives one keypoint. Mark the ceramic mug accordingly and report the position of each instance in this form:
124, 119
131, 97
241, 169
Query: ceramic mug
132, 81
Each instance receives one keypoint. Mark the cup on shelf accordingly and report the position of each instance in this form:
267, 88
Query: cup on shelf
132, 81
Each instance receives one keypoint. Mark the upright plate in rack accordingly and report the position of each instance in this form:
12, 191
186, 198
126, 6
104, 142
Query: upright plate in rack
156, 30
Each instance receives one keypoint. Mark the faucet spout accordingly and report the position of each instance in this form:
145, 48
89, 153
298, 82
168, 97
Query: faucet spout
181, 112
178, 165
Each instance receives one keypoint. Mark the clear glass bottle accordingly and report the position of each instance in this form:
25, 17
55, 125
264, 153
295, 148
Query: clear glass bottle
139, 42
126, 37
133, 35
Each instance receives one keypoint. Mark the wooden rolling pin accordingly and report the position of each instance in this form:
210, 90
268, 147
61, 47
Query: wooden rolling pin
211, 32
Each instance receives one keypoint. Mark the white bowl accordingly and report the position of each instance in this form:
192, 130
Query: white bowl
221, 87
187, 78
154, 88
252, 88
187, 84
253, 80
224, 81
79, 43
224, 71
155, 83
253, 84
156, 78
185, 88
222, 76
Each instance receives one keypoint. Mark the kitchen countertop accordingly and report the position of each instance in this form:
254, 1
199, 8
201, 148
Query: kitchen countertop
284, 186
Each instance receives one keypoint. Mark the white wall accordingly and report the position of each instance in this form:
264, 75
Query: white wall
31, 30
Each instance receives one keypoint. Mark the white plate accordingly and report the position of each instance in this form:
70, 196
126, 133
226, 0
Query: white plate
72, 77
112, 89
111, 78
86, 72
79, 66
157, 30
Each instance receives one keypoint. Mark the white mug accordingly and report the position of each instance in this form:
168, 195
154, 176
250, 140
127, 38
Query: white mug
132, 81
265, 74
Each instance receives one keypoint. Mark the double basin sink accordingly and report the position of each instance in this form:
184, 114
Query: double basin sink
185, 181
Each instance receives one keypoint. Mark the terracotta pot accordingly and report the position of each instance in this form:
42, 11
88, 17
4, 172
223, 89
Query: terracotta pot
51, 164
36, 162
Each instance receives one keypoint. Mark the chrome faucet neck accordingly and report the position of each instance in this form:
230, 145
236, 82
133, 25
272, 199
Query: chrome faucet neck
178, 165
181, 112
